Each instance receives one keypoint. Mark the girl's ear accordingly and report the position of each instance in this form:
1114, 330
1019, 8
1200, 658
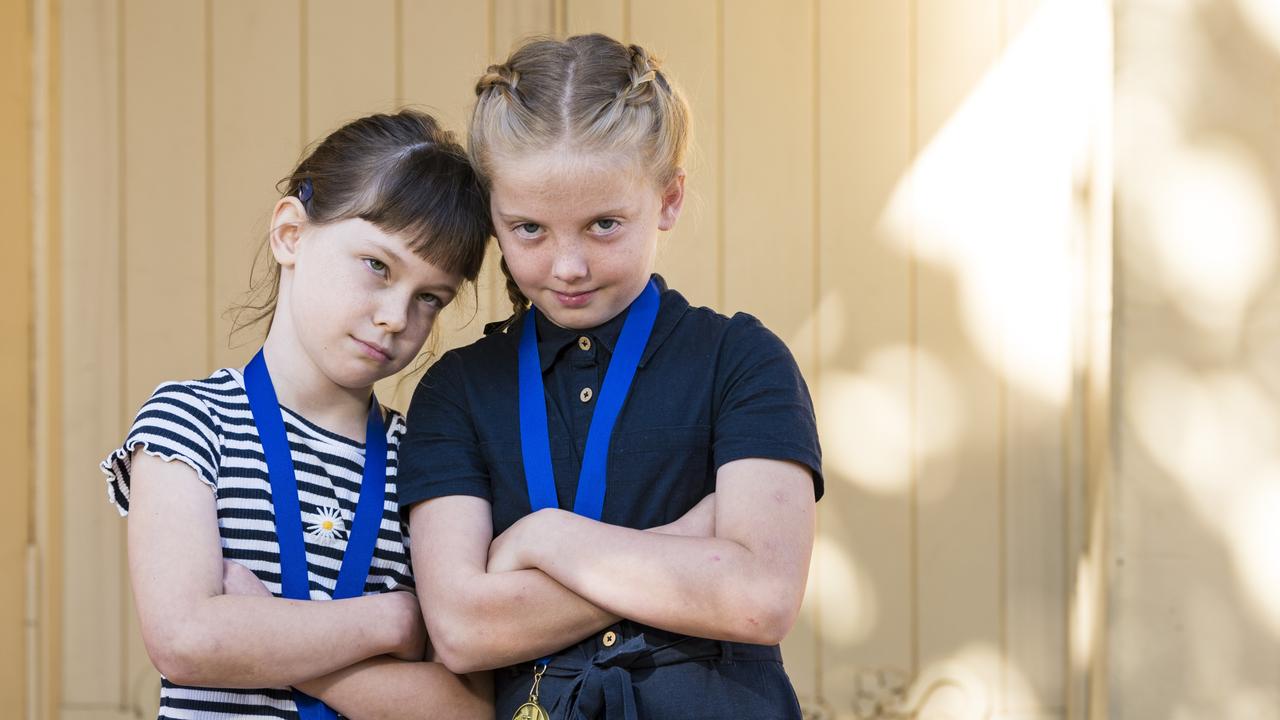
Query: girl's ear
672, 201
286, 230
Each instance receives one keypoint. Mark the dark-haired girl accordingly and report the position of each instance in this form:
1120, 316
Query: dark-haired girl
254, 491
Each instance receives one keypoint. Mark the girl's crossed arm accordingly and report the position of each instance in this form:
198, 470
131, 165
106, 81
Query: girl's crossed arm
482, 618
384, 687
479, 620
744, 584
196, 635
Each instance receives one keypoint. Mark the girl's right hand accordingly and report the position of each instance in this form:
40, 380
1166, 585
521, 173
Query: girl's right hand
412, 646
700, 521
240, 580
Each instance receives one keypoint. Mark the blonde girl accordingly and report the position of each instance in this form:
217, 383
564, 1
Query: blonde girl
612, 494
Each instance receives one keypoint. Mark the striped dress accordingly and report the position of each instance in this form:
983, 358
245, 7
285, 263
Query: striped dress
207, 425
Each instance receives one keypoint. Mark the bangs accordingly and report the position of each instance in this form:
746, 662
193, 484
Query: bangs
433, 199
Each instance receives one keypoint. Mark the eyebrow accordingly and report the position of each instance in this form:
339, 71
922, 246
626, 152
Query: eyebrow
399, 259
505, 217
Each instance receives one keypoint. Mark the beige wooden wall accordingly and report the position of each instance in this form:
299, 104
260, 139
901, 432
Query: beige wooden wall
17, 171
1196, 590
915, 194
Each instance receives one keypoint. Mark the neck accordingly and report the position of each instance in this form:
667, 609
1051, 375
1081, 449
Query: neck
302, 387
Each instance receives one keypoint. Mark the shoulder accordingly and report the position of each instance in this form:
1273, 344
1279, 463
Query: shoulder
497, 347
459, 380
736, 338
206, 402
181, 421
491, 355
395, 422
746, 335
746, 356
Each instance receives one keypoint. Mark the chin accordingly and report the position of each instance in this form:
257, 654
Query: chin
356, 376
579, 320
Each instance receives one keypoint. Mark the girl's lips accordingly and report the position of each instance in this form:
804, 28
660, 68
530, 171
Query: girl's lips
373, 351
574, 300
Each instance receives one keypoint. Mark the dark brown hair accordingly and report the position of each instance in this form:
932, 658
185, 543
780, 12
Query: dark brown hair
401, 172
589, 92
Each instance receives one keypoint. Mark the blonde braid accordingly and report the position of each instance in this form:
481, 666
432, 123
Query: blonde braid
501, 77
519, 303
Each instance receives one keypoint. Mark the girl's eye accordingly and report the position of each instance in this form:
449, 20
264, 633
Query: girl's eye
606, 225
432, 300
528, 230
377, 266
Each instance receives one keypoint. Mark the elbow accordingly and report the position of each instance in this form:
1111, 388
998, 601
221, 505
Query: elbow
457, 641
766, 618
180, 654
456, 651
762, 629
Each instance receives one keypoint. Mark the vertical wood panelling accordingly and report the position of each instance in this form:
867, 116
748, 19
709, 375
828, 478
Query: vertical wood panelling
517, 20
445, 51
598, 16
255, 139
445, 48
1035, 593
1090, 510
768, 165
350, 62
689, 257
768, 261
1035, 450
17, 178
46, 602
91, 267
959, 485
164, 195
96, 635
165, 228
862, 573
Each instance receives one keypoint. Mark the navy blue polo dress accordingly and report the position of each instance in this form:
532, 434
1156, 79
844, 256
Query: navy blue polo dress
709, 390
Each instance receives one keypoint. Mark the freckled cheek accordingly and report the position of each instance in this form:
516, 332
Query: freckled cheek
530, 267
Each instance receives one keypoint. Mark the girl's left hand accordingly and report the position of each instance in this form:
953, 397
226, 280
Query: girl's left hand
505, 550
240, 580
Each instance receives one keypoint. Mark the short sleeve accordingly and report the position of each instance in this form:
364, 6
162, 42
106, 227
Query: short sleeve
174, 424
440, 453
763, 406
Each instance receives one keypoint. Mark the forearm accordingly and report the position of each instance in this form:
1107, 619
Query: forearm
492, 620
704, 586
383, 688
524, 614
243, 641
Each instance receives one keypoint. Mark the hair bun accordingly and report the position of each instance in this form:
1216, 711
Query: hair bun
644, 70
499, 76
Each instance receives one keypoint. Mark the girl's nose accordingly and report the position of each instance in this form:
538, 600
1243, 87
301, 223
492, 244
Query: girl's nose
570, 263
392, 314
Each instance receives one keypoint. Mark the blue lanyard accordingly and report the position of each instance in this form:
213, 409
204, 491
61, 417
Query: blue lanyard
294, 579
535, 442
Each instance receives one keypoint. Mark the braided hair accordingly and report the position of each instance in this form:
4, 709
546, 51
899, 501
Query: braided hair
589, 92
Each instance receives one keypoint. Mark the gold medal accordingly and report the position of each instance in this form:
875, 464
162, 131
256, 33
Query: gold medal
532, 710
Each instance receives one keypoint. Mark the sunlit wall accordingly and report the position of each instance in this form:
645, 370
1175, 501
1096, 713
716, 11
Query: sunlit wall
1197, 506
1028, 514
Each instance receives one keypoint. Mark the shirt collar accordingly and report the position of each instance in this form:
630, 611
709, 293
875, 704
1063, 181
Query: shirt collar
553, 339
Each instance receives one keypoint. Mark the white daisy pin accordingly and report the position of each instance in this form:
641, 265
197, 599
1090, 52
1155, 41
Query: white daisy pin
326, 524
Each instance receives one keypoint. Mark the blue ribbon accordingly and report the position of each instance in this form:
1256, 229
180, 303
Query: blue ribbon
535, 441
294, 580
